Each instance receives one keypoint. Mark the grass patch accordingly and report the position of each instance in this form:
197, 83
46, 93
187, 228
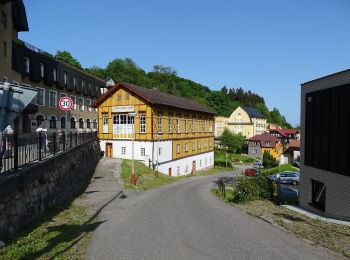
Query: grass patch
220, 155
61, 234
148, 180
332, 236
280, 168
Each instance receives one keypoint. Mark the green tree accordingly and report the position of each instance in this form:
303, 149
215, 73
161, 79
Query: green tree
68, 58
234, 142
269, 161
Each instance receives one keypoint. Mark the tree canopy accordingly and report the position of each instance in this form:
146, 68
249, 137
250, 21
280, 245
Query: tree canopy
68, 58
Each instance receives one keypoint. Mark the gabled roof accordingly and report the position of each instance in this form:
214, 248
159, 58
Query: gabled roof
156, 97
285, 132
263, 138
252, 112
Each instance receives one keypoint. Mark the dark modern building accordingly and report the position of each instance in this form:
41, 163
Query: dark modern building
24, 64
325, 142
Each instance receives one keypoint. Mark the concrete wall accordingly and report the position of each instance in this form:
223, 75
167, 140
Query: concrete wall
337, 186
29, 193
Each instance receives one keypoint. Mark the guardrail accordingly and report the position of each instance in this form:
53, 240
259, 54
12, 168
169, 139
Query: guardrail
19, 151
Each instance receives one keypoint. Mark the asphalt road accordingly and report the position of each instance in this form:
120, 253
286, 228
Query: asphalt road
184, 221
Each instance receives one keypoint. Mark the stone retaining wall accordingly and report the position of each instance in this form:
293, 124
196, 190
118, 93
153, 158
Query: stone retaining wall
30, 192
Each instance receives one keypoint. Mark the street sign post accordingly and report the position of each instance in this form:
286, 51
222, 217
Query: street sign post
65, 104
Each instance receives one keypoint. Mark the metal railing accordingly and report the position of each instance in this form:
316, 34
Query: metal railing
19, 151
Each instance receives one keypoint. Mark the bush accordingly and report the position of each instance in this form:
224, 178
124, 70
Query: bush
223, 164
269, 161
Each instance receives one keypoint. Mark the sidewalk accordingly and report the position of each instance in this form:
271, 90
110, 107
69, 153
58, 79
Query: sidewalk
104, 186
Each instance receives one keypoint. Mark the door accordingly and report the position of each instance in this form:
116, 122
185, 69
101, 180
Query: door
193, 167
169, 171
109, 150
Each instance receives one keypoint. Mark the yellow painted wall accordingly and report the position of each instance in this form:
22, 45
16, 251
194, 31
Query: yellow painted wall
274, 151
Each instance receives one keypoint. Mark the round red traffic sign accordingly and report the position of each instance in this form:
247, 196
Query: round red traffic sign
65, 103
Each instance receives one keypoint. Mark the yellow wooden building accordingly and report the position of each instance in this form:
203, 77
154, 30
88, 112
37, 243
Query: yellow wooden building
173, 134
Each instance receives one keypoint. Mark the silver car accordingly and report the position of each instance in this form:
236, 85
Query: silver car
289, 178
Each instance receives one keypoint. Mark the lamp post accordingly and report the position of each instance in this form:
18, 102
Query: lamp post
133, 176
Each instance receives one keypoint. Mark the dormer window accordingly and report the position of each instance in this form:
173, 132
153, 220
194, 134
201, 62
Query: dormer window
267, 143
42, 70
65, 78
54, 72
27, 64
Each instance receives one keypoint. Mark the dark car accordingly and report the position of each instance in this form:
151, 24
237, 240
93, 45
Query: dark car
251, 172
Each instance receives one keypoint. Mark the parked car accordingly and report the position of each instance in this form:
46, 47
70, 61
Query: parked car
258, 165
286, 178
251, 172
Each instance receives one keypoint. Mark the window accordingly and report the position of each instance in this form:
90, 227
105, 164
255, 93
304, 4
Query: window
210, 143
81, 123
178, 124
170, 122
74, 82
186, 125
199, 126
119, 97
205, 125
65, 76
27, 64
177, 148
186, 147
193, 146
199, 145
255, 150
160, 151
105, 123
200, 163
74, 99
143, 123
186, 169
205, 144
5, 49
39, 119
88, 123
72, 123
82, 84
193, 125
63, 122
159, 122
210, 126
127, 96
123, 150
88, 104
94, 124
42, 70
52, 98
4, 19
318, 195
143, 151
40, 97
52, 122
54, 72
123, 124
267, 143
205, 161
178, 170
81, 104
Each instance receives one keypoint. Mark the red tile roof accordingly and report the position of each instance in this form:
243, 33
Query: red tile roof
285, 132
155, 97
263, 138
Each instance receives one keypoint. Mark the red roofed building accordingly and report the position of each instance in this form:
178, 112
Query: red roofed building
258, 144
285, 135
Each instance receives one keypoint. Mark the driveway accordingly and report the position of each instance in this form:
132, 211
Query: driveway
185, 221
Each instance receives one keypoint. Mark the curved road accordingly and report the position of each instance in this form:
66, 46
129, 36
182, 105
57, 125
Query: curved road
184, 221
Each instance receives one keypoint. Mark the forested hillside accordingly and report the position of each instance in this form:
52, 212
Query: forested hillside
165, 79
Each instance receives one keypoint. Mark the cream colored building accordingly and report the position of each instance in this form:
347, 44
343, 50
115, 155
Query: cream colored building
220, 124
248, 121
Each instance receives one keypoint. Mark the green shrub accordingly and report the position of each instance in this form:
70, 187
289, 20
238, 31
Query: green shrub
269, 161
246, 190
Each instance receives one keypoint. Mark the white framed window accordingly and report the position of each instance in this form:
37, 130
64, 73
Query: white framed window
199, 125
193, 146
127, 96
160, 150
178, 124
177, 148
119, 97
205, 161
88, 123
210, 126
205, 144
170, 122
267, 143
159, 122
65, 78
255, 150
193, 125
52, 98
123, 150
40, 97
143, 123
27, 64
81, 104
143, 151
105, 123
88, 104
186, 124
74, 99
205, 125
54, 74
186, 147
200, 163
42, 70
199, 144
178, 170
210, 144
186, 169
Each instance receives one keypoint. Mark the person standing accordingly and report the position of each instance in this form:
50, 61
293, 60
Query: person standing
42, 132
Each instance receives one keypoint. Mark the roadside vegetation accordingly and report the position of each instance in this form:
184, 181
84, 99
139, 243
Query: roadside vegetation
61, 234
149, 179
332, 236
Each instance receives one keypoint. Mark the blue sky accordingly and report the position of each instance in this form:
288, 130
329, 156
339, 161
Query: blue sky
269, 46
